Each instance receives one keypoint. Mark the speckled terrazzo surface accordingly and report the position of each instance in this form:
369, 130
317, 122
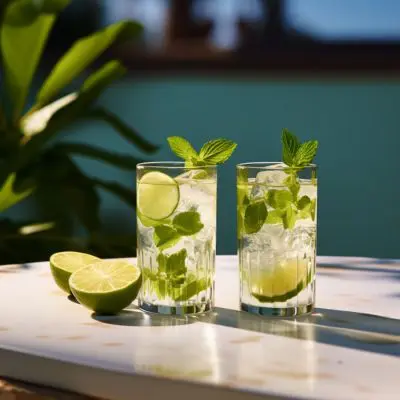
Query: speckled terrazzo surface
348, 348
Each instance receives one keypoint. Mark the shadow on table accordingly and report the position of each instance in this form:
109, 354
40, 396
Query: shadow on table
14, 268
353, 330
365, 332
133, 316
340, 271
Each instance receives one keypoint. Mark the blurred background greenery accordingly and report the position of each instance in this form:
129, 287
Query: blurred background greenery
329, 73
34, 165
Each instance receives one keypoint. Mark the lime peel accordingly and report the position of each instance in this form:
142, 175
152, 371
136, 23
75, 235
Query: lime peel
63, 264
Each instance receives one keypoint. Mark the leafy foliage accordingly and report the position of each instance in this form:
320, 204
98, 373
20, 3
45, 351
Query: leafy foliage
32, 163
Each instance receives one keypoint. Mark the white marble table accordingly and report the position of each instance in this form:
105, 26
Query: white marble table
348, 349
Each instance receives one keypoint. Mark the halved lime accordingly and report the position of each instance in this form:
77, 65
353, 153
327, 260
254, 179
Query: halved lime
158, 195
281, 283
64, 263
106, 287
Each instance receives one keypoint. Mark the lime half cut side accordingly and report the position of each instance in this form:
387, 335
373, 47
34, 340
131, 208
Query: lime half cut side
106, 287
64, 263
158, 195
281, 283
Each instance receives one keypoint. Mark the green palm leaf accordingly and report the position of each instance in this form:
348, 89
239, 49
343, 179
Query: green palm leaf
82, 54
23, 35
126, 195
122, 128
119, 160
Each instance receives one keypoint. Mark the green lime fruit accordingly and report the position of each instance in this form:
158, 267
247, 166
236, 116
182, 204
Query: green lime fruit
281, 283
106, 287
64, 263
158, 195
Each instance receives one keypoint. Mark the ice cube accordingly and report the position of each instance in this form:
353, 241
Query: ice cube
195, 198
184, 243
145, 236
187, 176
198, 178
301, 239
268, 238
273, 176
307, 188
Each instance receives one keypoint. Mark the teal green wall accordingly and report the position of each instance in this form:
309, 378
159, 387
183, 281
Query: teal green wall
357, 124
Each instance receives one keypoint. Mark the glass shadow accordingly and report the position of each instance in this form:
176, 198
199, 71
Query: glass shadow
353, 330
133, 316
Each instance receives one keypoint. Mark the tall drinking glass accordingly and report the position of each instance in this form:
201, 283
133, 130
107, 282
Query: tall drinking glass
176, 229
277, 216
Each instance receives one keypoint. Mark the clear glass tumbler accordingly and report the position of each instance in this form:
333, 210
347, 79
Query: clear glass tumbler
277, 220
176, 230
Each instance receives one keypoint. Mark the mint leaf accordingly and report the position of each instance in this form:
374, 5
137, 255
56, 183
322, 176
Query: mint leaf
171, 272
161, 288
165, 236
255, 216
192, 288
289, 218
175, 263
279, 198
187, 223
306, 153
162, 262
182, 148
304, 203
147, 274
217, 151
290, 145
274, 217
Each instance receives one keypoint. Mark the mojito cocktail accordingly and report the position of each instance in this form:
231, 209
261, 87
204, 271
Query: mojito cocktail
176, 225
277, 213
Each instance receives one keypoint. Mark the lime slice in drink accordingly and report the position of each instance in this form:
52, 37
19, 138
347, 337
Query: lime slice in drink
106, 287
158, 195
63, 264
281, 283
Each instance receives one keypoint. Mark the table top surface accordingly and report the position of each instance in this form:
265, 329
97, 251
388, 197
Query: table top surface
348, 348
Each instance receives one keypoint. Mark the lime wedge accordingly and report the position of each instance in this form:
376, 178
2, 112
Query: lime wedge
63, 264
280, 283
158, 195
106, 287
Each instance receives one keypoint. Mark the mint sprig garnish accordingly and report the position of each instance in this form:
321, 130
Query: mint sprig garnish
182, 148
290, 146
214, 152
297, 155
285, 206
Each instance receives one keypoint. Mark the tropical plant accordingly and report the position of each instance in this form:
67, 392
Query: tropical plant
32, 163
